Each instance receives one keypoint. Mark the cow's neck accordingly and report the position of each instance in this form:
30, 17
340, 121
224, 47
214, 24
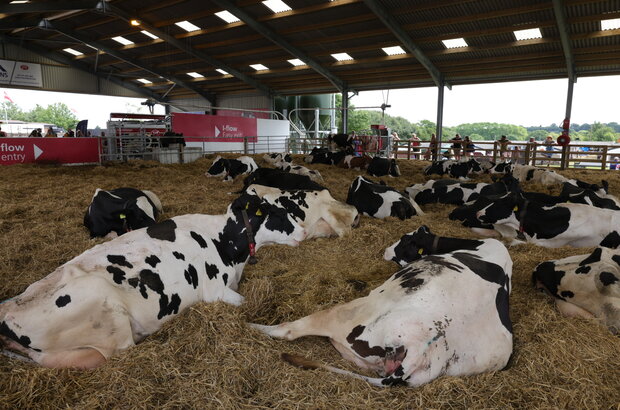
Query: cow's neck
232, 242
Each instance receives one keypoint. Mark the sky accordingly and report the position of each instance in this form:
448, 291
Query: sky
527, 103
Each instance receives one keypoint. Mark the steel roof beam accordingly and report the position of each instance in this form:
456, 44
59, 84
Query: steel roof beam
80, 66
47, 7
281, 42
107, 8
69, 32
390, 22
561, 20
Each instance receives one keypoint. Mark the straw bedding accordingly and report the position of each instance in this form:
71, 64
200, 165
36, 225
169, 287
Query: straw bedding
207, 357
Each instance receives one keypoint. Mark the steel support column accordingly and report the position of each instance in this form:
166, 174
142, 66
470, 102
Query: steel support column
438, 130
345, 112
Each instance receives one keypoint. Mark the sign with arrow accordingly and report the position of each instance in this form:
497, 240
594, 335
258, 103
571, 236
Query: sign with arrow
215, 128
49, 150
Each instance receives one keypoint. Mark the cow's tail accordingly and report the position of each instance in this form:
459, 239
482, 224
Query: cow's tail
309, 364
155, 200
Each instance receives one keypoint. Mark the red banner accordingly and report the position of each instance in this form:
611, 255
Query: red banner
214, 128
49, 150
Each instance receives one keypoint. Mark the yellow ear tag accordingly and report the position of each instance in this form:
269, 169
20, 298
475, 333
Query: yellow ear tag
516, 208
420, 251
259, 213
247, 205
122, 216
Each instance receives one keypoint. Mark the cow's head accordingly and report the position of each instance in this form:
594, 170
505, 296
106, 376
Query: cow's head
219, 168
394, 169
410, 246
585, 285
502, 209
474, 166
270, 223
468, 214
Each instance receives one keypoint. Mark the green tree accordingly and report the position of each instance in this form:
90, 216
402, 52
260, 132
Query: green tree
58, 114
11, 111
601, 132
539, 135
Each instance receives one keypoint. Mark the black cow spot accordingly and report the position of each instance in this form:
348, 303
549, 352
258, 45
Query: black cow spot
567, 294
163, 231
408, 279
23, 340
550, 278
118, 274
225, 279
178, 255
63, 301
293, 208
191, 276
594, 257
199, 239
133, 282
119, 260
438, 260
361, 347
608, 278
616, 258
530, 174
166, 308
151, 280
612, 240
152, 260
583, 269
212, 270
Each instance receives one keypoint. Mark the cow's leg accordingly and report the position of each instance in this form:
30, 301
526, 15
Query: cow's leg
570, 310
82, 358
232, 297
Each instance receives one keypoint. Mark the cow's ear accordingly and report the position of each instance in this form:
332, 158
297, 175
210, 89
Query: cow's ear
424, 229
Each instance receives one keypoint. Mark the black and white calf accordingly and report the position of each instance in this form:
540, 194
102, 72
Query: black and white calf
380, 201
231, 168
277, 178
121, 210
316, 211
380, 167
584, 285
440, 315
324, 156
288, 166
455, 169
117, 293
552, 226
276, 157
340, 142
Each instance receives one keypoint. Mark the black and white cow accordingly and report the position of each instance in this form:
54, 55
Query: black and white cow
380, 201
438, 167
440, 315
117, 293
503, 167
231, 168
316, 211
121, 210
353, 162
276, 157
324, 156
530, 173
574, 193
288, 166
340, 142
564, 224
455, 169
422, 242
584, 285
380, 167
280, 179
450, 191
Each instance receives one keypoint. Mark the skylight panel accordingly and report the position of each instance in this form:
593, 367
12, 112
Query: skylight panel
219, 70
258, 67
610, 24
277, 6
195, 74
296, 62
122, 40
528, 34
149, 34
392, 51
342, 56
19, 1
187, 26
227, 16
72, 51
455, 43
144, 81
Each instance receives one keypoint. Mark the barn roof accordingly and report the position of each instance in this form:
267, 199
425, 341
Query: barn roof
572, 43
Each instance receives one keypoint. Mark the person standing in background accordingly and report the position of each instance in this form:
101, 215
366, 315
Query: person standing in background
431, 152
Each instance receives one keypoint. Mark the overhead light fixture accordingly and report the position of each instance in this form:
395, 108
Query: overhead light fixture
227, 16
219, 70
296, 62
277, 6
455, 43
527, 34
122, 40
392, 51
195, 74
187, 26
144, 81
342, 56
19, 1
72, 51
134, 22
610, 24
258, 67
151, 35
